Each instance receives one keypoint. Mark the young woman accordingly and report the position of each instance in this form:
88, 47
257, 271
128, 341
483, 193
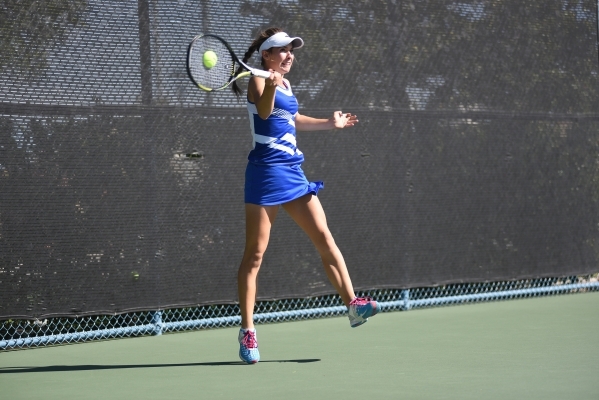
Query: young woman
274, 178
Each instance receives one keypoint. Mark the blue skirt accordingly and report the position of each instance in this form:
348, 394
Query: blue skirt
270, 185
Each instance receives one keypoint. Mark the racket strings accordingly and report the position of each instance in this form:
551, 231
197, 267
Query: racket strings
216, 76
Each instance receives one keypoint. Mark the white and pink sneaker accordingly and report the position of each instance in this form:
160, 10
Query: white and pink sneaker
360, 309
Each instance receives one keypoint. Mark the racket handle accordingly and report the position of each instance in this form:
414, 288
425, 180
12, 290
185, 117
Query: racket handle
260, 73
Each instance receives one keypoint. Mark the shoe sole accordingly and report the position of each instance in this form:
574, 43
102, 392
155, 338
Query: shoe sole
359, 323
250, 362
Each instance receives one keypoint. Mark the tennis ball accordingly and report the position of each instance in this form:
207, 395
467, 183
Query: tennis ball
210, 59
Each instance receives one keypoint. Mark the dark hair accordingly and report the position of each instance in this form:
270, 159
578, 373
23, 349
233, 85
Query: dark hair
248, 54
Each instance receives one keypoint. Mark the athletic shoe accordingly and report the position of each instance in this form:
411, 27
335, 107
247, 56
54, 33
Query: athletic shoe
360, 309
248, 347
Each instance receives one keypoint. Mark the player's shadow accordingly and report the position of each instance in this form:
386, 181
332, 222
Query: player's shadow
64, 368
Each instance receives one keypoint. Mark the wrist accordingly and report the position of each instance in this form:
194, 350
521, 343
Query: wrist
331, 123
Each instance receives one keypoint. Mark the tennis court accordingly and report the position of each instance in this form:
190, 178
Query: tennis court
540, 348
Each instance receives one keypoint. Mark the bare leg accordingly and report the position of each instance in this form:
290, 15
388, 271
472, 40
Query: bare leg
307, 212
258, 221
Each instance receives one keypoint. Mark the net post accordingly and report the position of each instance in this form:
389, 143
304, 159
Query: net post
157, 322
405, 297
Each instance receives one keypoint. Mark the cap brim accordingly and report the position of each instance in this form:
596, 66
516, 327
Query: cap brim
281, 39
297, 42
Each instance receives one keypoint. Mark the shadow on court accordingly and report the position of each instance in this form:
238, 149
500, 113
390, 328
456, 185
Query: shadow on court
65, 368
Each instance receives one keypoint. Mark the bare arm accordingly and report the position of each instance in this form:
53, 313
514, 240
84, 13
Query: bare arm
339, 120
261, 92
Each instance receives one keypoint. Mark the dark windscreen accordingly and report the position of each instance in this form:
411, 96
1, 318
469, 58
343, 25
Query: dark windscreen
121, 184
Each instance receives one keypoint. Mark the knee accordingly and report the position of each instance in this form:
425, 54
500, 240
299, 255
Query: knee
252, 259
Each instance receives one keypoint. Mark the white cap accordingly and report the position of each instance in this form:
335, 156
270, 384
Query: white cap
281, 39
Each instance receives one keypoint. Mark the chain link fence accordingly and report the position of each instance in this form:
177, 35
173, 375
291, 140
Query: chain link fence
21, 334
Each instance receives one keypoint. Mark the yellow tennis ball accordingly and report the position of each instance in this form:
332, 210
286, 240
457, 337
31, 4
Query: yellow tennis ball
210, 59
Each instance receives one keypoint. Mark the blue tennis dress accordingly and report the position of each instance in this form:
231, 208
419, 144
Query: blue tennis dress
274, 175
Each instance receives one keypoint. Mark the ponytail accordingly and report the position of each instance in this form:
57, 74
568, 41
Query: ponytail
250, 51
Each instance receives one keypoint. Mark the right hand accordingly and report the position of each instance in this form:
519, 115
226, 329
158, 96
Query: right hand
275, 79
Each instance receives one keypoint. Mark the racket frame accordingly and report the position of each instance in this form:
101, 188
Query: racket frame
250, 71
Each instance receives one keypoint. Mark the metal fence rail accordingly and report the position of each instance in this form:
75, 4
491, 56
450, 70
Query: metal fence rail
21, 334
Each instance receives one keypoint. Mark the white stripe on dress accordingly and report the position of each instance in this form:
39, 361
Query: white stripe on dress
282, 147
284, 114
288, 137
264, 139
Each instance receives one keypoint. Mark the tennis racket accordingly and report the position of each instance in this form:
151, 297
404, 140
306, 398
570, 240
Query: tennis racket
211, 63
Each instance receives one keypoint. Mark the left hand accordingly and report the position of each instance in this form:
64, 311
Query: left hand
344, 120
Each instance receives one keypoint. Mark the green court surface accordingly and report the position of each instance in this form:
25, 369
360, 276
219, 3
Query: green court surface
539, 348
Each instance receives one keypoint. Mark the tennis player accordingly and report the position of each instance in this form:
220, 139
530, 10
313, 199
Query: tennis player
274, 178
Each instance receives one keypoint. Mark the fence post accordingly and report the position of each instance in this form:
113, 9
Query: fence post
405, 296
157, 321
145, 51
